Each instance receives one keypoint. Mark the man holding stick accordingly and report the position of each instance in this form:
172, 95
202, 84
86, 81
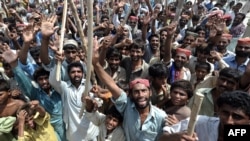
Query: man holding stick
234, 109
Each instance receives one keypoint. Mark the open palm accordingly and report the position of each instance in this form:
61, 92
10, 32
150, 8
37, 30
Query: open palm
47, 26
7, 54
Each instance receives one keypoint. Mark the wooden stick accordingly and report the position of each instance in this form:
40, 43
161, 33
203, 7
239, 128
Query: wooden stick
59, 63
78, 24
194, 112
89, 55
178, 10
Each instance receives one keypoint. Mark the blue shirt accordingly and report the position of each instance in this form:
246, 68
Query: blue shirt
150, 129
233, 64
52, 104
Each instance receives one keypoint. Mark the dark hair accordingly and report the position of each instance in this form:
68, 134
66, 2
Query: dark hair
242, 14
196, 18
75, 64
40, 72
138, 44
203, 65
115, 113
104, 17
34, 51
113, 52
199, 28
205, 50
4, 85
236, 99
158, 70
151, 36
231, 73
27, 108
185, 85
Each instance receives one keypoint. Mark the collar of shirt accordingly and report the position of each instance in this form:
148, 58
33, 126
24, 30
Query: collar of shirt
69, 84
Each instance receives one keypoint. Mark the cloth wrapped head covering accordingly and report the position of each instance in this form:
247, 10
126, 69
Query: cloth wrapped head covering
228, 36
219, 13
185, 51
139, 80
133, 18
185, 16
129, 31
227, 17
244, 41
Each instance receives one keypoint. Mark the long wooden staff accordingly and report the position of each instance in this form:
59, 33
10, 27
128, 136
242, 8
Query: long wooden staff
59, 63
194, 112
178, 10
78, 24
89, 55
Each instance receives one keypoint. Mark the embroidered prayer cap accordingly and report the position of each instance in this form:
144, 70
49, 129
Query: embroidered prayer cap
244, 41
226, 35
185, 51
139, 80
192, 33
70, 43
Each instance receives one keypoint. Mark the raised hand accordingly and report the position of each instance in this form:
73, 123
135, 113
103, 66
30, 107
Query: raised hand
146, 18
8, 55
127, 42
96, 55
21, 116
47, 25
13, 36
171, 29
90, 104
28, 33
171, 120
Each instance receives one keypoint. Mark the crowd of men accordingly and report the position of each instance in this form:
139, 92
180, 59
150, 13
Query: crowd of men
148, 63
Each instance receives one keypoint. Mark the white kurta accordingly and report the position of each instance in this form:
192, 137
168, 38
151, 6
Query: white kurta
76, 129
206, 128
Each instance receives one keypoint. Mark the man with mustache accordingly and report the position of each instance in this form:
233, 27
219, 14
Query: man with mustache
227, 81
142, 121
242, 52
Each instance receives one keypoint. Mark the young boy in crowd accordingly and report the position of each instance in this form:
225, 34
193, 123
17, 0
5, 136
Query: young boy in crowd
34, 123
109, 124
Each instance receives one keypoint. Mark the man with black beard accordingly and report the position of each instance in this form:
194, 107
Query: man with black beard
142, 121
242, 52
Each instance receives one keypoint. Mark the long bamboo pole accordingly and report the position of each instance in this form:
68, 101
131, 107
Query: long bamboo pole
89, 55
194, 112
59, 63
178, 10
78, 24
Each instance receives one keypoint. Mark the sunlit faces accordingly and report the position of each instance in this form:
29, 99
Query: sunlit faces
178, 97
43, 82
111, 122
232, 116
75, 75
114, 62
154, 43
188, 40
140, 95
201, 73
180, 59
222, 43
70, 54
226, 84
136, 54
242, 50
